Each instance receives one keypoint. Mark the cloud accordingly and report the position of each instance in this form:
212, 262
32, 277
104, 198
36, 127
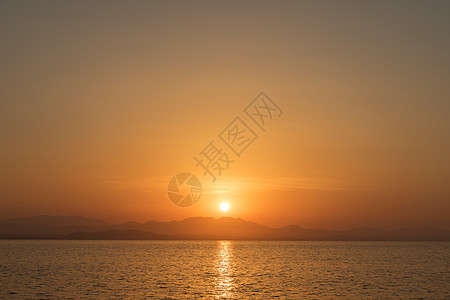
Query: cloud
238, 184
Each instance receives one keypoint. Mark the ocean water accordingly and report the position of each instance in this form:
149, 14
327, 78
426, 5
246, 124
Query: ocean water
41, 269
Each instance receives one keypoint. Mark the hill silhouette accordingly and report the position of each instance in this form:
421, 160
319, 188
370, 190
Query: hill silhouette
61, 227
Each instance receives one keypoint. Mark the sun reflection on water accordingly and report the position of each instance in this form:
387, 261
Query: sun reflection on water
224, 287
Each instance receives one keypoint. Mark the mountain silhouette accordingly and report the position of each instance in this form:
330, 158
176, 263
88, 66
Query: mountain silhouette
61, 227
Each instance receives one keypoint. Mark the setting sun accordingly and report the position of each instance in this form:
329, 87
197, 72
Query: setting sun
128, 129
224, 206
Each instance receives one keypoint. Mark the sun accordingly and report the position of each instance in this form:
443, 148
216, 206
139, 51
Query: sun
224, 206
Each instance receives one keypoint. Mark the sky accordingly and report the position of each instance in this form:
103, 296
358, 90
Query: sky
102, 103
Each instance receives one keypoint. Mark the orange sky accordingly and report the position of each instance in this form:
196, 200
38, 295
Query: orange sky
102, 103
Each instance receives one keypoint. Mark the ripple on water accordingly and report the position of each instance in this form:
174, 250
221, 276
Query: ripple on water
223, 269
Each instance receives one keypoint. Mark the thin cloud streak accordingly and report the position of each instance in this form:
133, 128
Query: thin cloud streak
236, 185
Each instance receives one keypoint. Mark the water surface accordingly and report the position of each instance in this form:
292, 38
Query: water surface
223, 269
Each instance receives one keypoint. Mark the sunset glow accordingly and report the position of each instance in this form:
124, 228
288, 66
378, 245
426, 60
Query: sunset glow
198, 149
95, 127
224, 206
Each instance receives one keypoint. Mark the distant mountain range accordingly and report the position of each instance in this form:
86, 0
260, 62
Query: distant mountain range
198, 228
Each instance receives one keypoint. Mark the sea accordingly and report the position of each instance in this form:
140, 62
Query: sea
61, 269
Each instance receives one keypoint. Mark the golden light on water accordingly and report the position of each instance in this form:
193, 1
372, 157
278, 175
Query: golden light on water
224, 284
